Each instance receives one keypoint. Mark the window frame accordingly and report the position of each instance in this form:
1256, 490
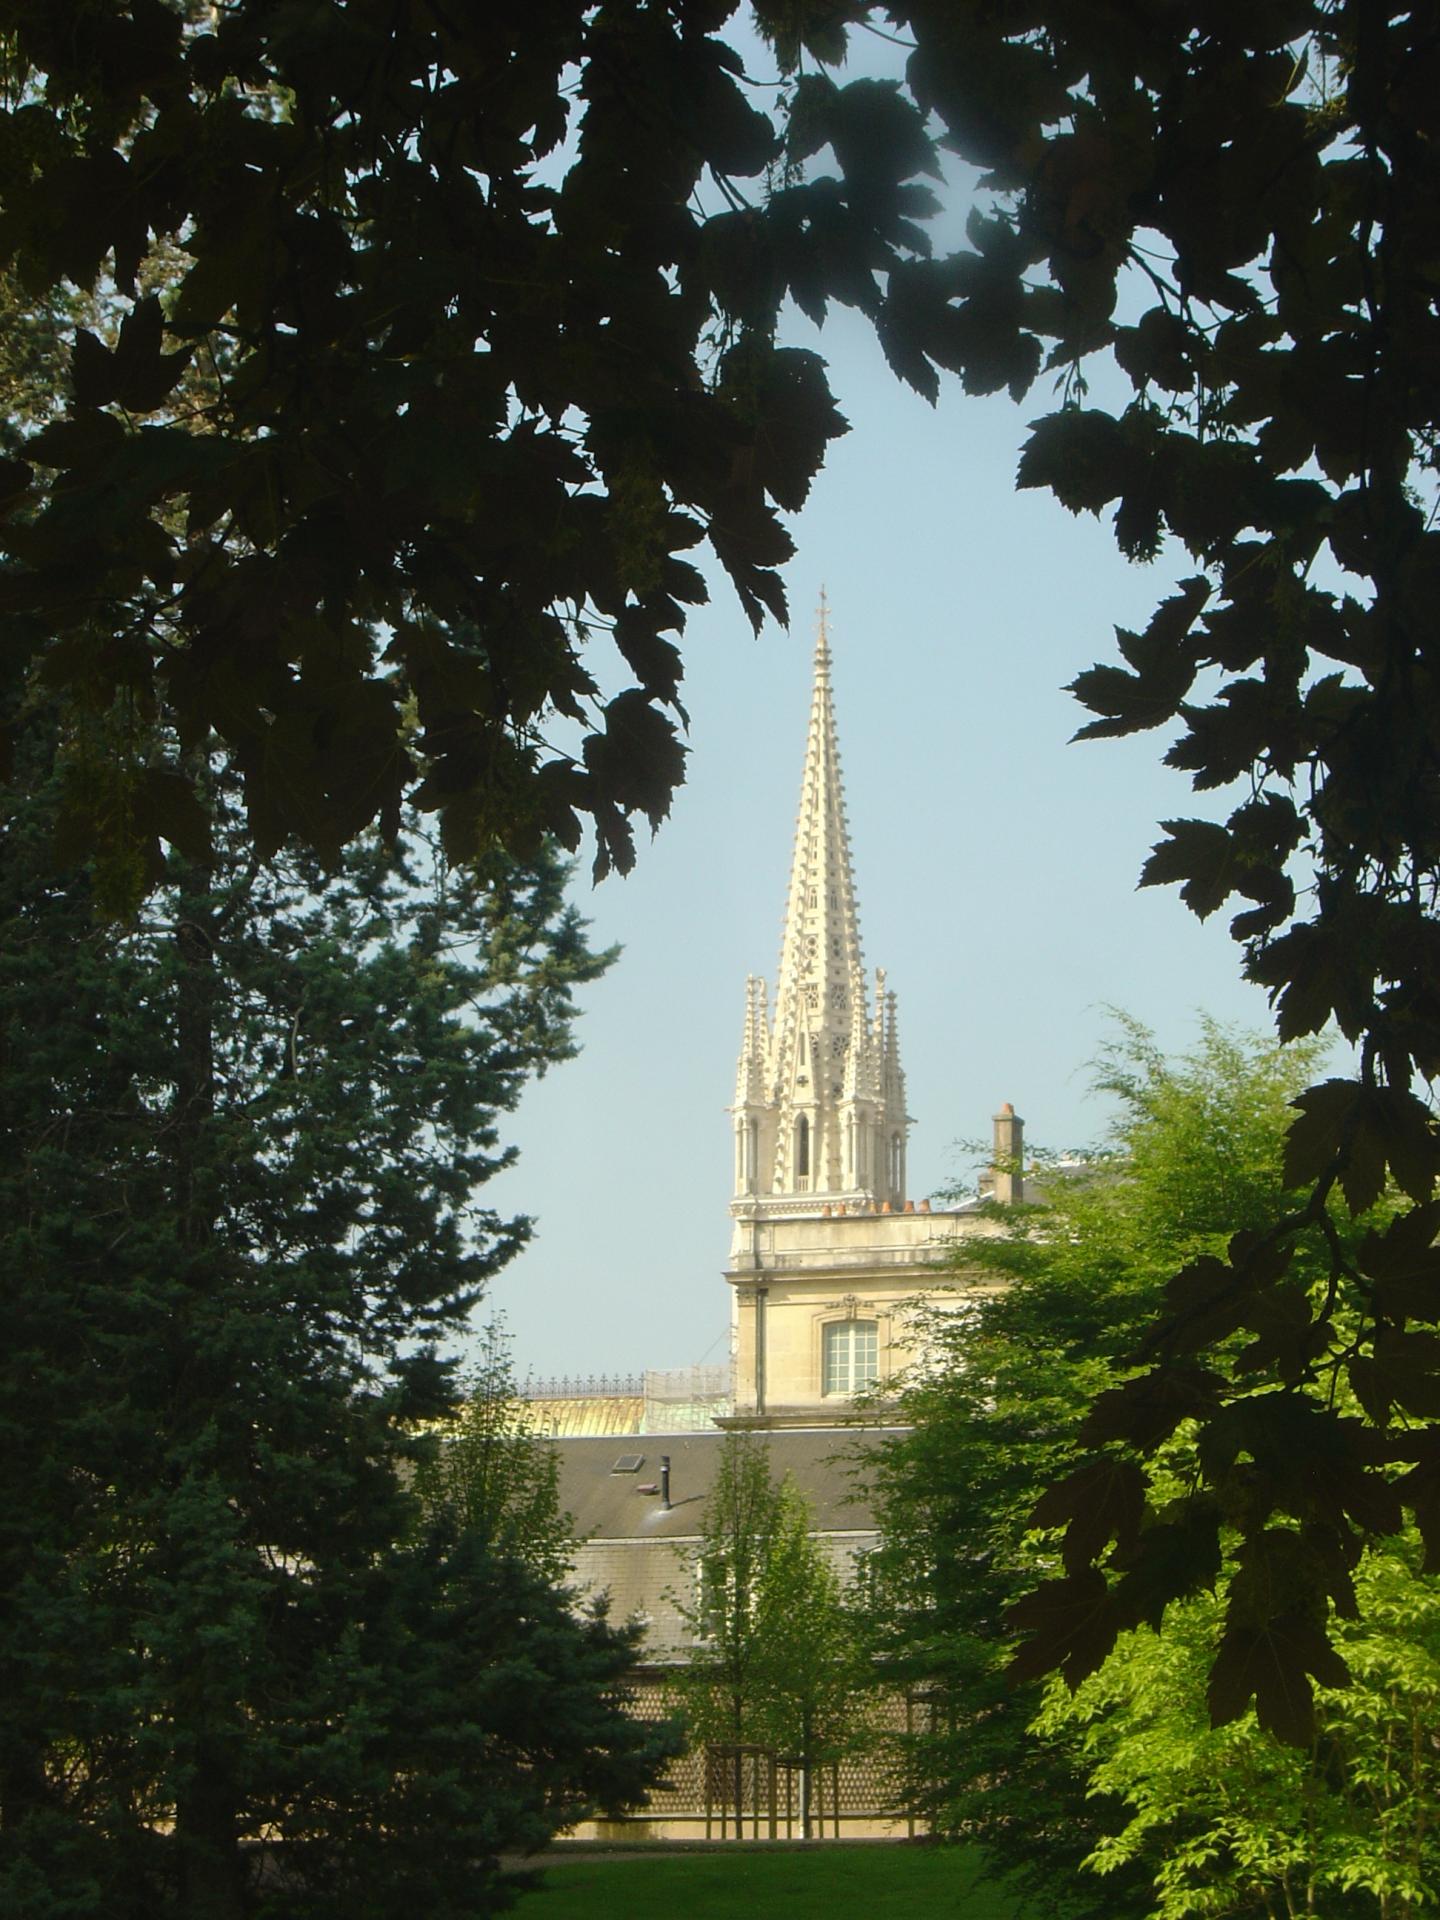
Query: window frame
852, 1330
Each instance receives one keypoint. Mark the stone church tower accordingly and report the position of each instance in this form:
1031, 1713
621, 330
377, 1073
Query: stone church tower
820, 1096
827, 1247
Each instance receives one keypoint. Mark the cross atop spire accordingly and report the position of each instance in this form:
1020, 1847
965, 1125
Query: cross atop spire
831, 1116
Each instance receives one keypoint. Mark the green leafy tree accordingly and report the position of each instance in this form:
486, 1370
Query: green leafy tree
464, 402
34, 348
439, 494
497, 1480
722, 1682
776, 1661
244, 1141
813, 1674
1234, 207
1226, 1820
1044, 1311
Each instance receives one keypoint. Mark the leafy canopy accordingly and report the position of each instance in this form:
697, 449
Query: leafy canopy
483, 359
407, 379
1217, 1466
776, 1662
1230, 214
1224, 1820
492, 1476
1040, 1314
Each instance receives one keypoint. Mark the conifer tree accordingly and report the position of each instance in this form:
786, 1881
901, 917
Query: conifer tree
244, 1671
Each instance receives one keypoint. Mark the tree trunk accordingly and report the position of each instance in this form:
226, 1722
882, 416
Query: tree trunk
212, 1881
737, 1720
211, 1870
805, 1741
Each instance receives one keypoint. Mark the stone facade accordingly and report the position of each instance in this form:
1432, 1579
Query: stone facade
807, 1283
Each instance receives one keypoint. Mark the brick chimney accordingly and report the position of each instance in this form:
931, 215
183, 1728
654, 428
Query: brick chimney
1009, 1158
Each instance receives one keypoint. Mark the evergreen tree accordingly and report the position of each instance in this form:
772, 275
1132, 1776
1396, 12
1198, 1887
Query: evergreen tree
243, 1139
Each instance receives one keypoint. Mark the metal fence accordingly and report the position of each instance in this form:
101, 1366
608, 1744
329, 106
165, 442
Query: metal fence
586, 1386
673, 1399
687, 1399
864, 1785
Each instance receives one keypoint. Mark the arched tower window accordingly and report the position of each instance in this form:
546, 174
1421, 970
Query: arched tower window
896, 1162
802, 1146
850, 1357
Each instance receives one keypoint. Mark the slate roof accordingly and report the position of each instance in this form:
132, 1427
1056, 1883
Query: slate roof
642, 1557
607, 1505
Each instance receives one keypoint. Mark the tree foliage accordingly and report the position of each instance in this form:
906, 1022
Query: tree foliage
492, 1476
243, 1142
1042, 1312
813, 1672
1283, 1478
484, 358
1236, 208
1225, 1820
427, 392
723, 1611
777, 1661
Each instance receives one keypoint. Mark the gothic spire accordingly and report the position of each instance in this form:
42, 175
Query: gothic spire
826, 1114
820, 946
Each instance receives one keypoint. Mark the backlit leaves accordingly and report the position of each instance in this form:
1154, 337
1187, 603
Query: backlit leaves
360, 365
138, 376
1071, 1624
1080, 455
1273, 1664
1098, 1503
1361, 1131
1148, 1408
1198, 854
1277, 228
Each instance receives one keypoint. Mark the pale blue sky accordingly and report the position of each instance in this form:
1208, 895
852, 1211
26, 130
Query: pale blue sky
995, 868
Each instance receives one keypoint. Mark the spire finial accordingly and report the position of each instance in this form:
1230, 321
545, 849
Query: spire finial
822, 631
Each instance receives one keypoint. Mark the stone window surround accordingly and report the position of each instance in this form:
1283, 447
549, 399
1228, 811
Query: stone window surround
851, 1308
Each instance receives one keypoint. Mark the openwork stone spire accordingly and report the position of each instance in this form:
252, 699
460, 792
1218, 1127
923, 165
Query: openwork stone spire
820, 1098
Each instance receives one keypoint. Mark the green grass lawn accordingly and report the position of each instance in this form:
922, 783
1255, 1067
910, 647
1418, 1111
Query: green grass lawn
828, 1883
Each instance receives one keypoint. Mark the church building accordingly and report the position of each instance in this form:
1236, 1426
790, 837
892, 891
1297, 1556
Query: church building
827, 1246
828, 1255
